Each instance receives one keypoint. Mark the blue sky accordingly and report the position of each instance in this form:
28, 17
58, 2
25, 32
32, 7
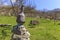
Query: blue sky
47, 4
43, 4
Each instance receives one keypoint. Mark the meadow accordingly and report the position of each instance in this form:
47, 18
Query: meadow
45, 30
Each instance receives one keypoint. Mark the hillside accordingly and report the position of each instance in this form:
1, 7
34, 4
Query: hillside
31, 12
10, 11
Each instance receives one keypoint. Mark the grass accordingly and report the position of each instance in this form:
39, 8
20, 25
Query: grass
46, 30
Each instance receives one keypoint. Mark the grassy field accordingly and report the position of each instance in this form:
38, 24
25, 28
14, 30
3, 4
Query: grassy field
45, 30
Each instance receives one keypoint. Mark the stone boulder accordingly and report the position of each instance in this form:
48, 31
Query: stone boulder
34, 22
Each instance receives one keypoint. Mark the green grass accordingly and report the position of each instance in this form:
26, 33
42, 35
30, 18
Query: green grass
46, 30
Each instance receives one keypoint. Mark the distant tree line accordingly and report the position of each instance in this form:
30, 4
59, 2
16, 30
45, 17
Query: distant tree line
32, 12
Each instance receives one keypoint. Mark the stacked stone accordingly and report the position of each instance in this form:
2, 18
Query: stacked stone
19, 31
25, 35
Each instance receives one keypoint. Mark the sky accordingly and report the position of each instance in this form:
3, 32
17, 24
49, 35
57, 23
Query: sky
42, 4
47, 4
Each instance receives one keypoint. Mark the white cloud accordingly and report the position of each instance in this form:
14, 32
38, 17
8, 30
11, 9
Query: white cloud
13, 0
5, 4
